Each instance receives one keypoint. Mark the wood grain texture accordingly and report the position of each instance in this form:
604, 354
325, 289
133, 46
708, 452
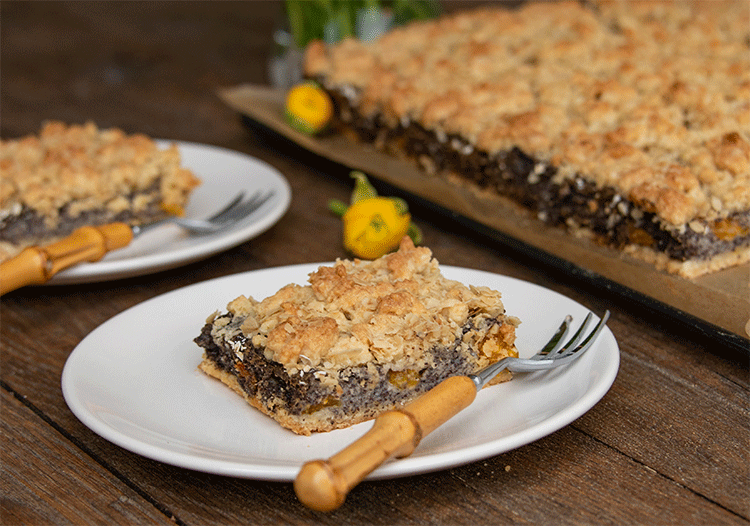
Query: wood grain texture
71, 490
667, 445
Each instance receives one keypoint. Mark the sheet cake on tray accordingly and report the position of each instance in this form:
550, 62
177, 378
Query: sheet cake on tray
625, 122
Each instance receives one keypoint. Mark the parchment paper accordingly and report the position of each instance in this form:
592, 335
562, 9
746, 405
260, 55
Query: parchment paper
721, 299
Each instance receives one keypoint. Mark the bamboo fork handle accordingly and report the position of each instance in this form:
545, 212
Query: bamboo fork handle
35, 265
323, 484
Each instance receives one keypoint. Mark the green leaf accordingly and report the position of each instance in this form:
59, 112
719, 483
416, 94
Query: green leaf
415, 233
401, 205
337, 207
337, 19
362, 188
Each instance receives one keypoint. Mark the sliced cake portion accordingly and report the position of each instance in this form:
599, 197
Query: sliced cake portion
361, 338
70, 176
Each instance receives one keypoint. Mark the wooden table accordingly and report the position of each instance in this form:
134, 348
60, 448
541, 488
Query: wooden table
667, 445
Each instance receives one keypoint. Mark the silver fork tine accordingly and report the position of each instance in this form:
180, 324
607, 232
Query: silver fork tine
565, 354
230, 218
565, 349
140, 229
241, 211
234, 202
586, 343
554, 342
233, 212
541, 355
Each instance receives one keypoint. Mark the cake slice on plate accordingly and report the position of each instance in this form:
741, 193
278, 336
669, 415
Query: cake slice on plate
361, 338
71, 176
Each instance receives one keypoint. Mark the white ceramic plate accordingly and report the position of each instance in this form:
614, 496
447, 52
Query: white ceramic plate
223, 173
134, 381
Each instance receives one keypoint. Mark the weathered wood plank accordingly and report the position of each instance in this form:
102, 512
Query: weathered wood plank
48, 480
680, 429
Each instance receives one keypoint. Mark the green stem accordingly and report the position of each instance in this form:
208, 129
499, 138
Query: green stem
337, 207
415, 233
296, 22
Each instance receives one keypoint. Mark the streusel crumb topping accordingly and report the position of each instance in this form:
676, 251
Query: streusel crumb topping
85, 168
649, 97
387, 311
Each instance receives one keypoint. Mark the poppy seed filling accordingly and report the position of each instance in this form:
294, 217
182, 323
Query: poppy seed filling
361, 338
576, 203
305, 393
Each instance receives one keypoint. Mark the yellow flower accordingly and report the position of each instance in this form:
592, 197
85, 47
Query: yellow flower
373, 227
308, 108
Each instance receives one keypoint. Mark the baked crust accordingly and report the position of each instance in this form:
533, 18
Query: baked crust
361, 338
67, 176
649, 100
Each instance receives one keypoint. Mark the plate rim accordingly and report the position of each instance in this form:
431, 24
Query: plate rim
286, 473
105, 270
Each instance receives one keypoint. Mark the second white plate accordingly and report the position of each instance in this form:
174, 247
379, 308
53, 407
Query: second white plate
223, 174
134, 381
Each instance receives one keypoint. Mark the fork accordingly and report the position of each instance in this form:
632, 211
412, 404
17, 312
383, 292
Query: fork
230, 215
36, 265
323, 484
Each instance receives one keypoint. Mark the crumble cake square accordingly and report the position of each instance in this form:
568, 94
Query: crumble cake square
69, 176
361, 338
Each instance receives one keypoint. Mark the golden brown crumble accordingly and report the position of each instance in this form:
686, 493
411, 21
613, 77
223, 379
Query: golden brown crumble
651, 98
386, 311
82, 168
